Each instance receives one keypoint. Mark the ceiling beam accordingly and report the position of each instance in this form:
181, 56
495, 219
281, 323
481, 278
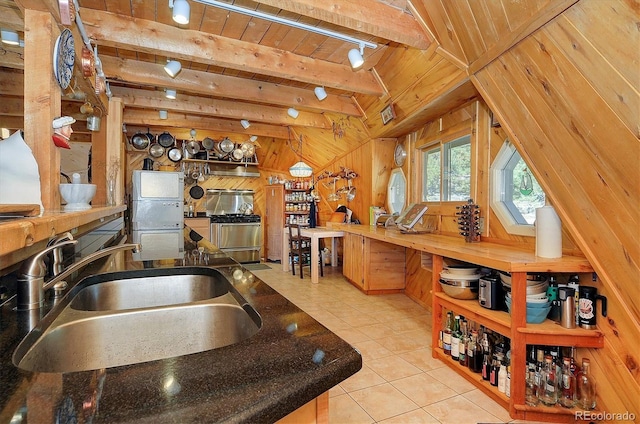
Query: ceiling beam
181, 120
370, 17
147, 99
198, 82
117, 31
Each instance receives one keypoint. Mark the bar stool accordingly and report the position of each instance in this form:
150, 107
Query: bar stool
300, 248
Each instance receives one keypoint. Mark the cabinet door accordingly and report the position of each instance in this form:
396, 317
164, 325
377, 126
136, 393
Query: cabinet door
353, 265
274, 221
201, 226
385, 265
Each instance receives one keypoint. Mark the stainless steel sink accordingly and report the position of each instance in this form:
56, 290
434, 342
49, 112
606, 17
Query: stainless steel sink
145, 292
112, 323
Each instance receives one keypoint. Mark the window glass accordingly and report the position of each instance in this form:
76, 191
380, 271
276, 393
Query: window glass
516, 193
446, 172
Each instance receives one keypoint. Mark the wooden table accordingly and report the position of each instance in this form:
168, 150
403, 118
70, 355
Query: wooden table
315, 234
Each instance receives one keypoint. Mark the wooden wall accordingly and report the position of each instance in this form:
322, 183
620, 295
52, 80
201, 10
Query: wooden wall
567, 96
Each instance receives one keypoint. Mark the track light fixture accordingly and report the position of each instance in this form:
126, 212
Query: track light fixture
163, 114
10, 37
320, 92
245, 124
173, 68
355, 57
181, 11
253, 138
293, 113
170, 94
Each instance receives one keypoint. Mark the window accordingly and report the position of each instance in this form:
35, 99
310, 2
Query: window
446, 172
515, 192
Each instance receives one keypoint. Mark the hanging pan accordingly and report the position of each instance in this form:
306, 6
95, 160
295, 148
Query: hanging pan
156, 150
175, 153
208, 143
140, 141
152, 138
196, 192
166, 140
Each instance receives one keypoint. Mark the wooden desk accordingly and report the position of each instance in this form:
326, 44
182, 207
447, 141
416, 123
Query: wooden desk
315, 234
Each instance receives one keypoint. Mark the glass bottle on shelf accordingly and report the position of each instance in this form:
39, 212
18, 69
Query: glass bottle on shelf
548, 390
464, 340
567, 397
474, 353
531, 389
585, 387
486, 358
446, 333
455, 339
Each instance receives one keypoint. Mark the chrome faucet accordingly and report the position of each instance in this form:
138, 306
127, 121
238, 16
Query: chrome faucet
31, 285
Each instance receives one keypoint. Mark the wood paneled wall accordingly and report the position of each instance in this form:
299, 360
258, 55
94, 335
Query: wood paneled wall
567, 96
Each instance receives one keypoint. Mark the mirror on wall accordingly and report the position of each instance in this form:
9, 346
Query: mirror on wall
396, 192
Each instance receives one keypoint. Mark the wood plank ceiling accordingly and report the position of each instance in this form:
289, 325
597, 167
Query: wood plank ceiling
234, 66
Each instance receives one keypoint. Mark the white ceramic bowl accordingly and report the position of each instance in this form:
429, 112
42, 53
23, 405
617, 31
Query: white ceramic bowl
77, 196
461, 270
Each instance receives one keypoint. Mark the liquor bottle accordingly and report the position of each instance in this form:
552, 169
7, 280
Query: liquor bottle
464, 340
446, 333
507, 388
585, 387
502, 379
567, 396
455, 339
496, 364
474, 353
548, 390
486, 358
531, 389
531, 358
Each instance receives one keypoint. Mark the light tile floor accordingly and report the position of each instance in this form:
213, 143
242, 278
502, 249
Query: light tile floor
399, 382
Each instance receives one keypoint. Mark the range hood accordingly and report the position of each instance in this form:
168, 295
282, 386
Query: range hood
234, 169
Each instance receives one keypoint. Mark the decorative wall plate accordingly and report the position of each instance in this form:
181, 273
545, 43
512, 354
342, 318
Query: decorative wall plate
399, 155
64, 56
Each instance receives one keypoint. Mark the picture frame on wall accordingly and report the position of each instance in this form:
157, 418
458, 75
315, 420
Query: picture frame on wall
387, 114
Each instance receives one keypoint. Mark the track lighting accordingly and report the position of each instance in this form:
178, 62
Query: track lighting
181, 11
172, 68
10, 37
253, 138
245, 124
163, 114
293, 113
320, 92
170, 94
355, 57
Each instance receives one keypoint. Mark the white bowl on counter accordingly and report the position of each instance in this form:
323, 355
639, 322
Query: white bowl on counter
77, 196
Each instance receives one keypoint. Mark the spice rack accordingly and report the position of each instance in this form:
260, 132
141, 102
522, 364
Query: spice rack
512, 325
297, 202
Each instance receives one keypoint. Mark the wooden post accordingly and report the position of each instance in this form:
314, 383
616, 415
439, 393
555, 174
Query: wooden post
42, 101
115, 147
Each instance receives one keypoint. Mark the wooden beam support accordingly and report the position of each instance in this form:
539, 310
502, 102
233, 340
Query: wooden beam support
374, 18
180, 120
42, 101
152, 74
193, 105
112, 30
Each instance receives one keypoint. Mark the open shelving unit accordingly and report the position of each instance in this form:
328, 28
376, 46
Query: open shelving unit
515, 327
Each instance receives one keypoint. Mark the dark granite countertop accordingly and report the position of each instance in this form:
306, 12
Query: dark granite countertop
290, 361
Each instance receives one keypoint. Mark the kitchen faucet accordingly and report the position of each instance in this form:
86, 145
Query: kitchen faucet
31, 285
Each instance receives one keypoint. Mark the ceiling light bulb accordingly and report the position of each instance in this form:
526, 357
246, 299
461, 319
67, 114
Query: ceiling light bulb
293, 113
170, 94
245, 124
172, 68
320, 92
181, 11
355, 58
164, 114
10, 37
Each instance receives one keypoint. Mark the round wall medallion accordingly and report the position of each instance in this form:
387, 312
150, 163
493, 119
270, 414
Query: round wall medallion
399, 155
64, 56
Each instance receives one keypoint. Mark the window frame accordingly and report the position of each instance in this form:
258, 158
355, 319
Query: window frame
453, 140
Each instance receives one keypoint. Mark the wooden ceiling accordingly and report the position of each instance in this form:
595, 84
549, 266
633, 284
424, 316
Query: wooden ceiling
234, 66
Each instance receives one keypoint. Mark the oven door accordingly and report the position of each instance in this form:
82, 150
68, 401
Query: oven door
241, 241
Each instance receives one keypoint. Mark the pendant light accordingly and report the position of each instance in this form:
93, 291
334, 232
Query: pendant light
299, 169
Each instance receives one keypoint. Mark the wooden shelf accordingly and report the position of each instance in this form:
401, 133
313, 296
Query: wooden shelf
496, 320
549, 330
475, 378
223, 162
557, 413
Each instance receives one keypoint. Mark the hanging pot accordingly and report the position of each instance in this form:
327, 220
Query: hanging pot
156, 150
227, 145
140, 141
175, 154
152, 138
248, 149
208, 143
166, 140
193, 147
196, 192
237, 155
